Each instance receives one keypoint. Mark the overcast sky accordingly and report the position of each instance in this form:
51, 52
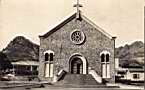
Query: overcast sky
30, 18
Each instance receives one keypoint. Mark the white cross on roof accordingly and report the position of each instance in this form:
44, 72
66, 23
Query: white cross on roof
77, 7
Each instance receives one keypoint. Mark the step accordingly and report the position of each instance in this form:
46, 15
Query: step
80, 86
78, 79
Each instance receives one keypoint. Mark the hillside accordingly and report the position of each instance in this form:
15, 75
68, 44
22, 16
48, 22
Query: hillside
21, 48
136, 49
131, 55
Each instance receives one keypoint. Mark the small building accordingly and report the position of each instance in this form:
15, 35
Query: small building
25, 67
132, 73
135, 74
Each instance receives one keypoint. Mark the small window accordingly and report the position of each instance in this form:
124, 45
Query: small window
105, 65
34, 68
102, 58
28, 68
122, 76
46, 56
136, 76
51, 56
107, 57
77, 37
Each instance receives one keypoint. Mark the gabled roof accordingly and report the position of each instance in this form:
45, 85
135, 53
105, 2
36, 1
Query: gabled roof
136, 69
69, 18
27, 63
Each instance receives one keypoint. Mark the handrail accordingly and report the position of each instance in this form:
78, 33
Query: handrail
95, 76
59, 75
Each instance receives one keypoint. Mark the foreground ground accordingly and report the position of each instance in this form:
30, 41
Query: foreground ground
51, 87
22, 88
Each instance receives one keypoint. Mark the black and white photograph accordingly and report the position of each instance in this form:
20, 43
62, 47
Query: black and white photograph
72, 44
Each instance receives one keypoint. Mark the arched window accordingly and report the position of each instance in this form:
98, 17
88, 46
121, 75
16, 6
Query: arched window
51, 56
105, 64
102, 58
107, 57
48, 63
46, 56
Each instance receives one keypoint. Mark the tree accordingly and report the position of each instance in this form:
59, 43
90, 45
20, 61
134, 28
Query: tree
4, 62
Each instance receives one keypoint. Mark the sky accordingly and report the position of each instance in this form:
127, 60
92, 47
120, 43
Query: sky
30, 18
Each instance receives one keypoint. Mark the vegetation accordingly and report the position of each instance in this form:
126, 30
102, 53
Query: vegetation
136, 49
129, 54
5, 63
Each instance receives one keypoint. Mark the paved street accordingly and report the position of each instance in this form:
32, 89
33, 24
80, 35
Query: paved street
123, 87
47, 87
68, 89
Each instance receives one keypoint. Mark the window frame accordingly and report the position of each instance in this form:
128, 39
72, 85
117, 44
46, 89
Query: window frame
136, 76
49, 65
106, 63
46, 57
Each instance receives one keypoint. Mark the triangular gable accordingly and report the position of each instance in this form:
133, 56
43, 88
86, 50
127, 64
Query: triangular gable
97, 27
69, 18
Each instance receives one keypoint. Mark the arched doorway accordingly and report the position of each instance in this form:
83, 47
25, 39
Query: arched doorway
76, 66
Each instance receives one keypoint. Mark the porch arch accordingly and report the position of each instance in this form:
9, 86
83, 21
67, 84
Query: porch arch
81, 59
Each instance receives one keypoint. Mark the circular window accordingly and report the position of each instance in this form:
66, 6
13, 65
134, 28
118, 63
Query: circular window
77, 37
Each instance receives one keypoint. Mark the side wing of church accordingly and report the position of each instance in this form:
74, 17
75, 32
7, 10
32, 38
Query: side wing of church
77, 49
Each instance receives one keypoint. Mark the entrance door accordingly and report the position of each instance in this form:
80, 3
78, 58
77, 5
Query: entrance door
76, 66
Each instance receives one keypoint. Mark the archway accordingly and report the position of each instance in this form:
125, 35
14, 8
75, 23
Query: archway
77, 64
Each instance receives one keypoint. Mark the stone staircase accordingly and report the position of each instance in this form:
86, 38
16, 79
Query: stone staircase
78, 79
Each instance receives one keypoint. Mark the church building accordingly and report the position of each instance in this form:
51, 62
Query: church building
77, 51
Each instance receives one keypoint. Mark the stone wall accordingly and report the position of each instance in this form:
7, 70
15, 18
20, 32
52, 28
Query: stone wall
59, 42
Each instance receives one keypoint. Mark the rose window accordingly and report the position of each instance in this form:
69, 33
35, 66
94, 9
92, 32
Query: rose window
77, 37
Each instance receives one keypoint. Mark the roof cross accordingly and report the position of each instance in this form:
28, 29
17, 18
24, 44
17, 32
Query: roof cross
77, 7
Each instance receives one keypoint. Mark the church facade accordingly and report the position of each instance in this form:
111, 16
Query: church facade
77, 46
